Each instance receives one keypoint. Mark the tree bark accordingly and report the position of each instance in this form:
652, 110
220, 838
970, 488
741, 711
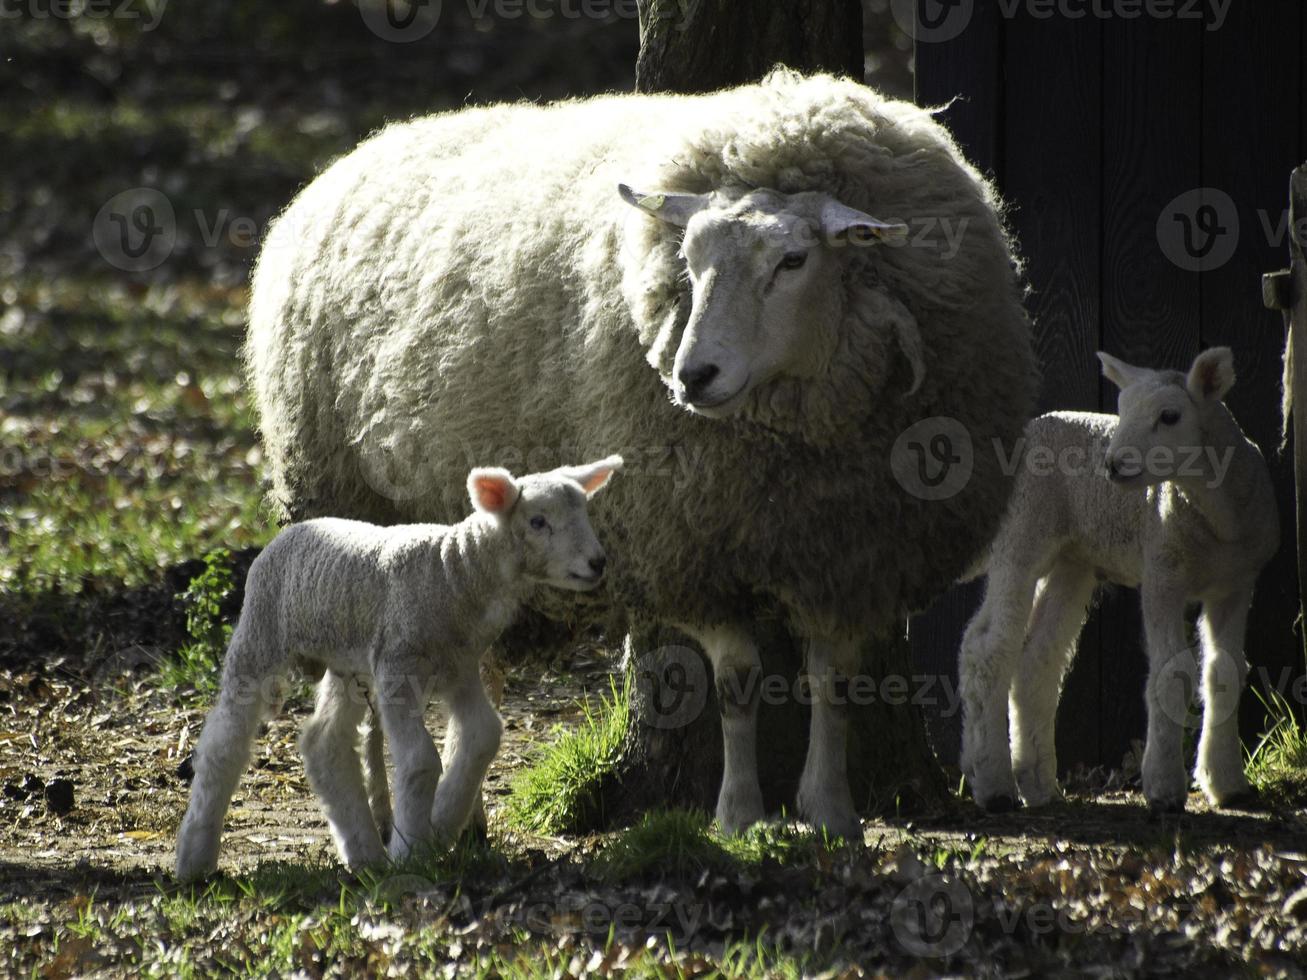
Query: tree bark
673, 755
701, 45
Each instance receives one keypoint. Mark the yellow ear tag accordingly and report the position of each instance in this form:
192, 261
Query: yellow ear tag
654, 202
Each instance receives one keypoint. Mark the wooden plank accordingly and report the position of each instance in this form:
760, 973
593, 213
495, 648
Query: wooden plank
1245, 156
1052, 175
1298, 382
1151, 312
963, 72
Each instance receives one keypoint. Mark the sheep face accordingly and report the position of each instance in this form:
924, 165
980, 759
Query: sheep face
545, 517
1161, 416
763, 268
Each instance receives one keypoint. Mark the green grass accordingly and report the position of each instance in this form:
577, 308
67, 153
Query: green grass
284, 918
1277, 765
198, 665
561, 792
127, 443
683, 844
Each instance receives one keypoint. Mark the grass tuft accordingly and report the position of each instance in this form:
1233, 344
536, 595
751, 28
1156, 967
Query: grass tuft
1277, 765
562, 792
198, 665
683, 844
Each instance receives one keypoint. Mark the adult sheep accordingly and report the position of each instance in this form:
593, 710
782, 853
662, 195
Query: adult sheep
470, 289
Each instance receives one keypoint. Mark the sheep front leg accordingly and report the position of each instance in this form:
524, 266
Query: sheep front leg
1171, 682
329, 743
1220, 753
223, 751
990, 647
475, 729
824, 797
737, 673
401, 696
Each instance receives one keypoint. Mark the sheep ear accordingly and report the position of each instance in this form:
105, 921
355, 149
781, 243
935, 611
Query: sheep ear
1212, 374
493, 490
840, 223
675, 209
1118, 372
593, 476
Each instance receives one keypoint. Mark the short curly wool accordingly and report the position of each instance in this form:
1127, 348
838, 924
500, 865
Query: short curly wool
468, 289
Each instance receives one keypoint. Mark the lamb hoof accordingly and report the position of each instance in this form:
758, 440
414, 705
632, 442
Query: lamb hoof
1244, 799
1000, 804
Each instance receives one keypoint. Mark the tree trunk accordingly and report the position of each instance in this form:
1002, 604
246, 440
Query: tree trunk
701, 45
674, 750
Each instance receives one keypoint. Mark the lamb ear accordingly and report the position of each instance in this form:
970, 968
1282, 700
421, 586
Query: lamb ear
675, 209
840, 223
593, 476
1212, 374
493, 490
1118, 372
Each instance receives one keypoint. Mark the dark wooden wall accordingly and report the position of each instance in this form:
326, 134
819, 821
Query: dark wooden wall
1091, 127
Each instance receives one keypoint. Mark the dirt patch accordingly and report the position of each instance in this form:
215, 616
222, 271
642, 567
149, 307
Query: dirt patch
1095, 881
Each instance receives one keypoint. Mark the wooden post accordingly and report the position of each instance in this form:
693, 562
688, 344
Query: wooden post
1286, 290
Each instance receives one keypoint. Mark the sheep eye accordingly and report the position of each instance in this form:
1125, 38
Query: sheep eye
538, 523
794, 260
1169, 417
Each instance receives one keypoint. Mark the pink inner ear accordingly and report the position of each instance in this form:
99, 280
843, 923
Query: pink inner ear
492, 493
1209, 376
596, 480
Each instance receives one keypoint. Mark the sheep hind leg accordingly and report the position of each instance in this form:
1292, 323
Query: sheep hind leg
990, 647
329, 743
374, 775
1059, 614
1220, 768
824, 796
221, 755
737, 674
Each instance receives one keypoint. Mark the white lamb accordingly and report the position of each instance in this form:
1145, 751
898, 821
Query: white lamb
1188, 514
393, 615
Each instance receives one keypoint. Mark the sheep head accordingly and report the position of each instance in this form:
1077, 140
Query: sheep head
545, 515
764, 267
1163, 416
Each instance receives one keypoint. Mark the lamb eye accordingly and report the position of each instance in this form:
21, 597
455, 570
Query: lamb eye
1169, 417
538, 523
794, 260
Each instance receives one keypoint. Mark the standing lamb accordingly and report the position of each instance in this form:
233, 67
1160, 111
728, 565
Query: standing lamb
392, 615
1188, 515
752, 327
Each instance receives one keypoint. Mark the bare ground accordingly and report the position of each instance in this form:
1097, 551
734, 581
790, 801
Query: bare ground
1093, 885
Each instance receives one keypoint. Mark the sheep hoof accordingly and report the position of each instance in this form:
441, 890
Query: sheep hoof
1000, 804
1164, 808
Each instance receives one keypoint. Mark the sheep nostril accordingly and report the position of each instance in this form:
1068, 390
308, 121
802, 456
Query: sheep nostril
695, 380
597, 565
